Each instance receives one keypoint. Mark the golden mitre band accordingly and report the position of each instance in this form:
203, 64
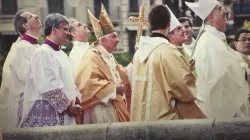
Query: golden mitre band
103, 26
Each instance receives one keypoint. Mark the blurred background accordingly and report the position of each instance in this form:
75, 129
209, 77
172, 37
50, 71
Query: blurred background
119, 11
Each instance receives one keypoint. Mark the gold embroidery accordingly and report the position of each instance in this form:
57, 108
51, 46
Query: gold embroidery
103, 26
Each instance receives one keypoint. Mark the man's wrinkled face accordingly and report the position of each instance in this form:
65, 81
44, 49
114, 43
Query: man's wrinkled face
33, 21
188, 28
81, 31
62, 33
111, 41
243, 43
178, 35
219, 17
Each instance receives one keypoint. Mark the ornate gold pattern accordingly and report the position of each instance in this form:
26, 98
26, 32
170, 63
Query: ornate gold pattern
96, 25
105, 22
103, 26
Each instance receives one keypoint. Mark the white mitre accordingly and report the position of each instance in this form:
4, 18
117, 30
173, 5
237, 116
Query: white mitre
202, 8
173, 21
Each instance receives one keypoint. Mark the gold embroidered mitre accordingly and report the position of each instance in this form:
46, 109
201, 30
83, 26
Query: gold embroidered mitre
96, 25
103, 26
105, 22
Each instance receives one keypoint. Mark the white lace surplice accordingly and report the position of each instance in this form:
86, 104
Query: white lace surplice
50, 89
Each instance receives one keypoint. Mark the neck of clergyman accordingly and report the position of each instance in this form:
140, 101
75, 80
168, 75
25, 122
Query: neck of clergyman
161, 32
176, 43
33, 33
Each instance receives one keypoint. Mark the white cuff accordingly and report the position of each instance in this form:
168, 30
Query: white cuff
105, 100
111, 95
173, 102
129, 66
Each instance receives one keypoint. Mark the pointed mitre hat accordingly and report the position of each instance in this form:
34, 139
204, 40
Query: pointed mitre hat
202, 8
103, 26
174, 22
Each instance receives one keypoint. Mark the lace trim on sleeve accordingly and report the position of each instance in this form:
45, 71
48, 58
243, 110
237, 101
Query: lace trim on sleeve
57, 99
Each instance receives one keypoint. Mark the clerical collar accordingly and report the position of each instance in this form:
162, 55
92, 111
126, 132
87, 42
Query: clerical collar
52, 44
158, 35
212, 29
31, 39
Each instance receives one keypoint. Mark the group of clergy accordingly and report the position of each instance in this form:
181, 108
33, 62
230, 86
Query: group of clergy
172, 75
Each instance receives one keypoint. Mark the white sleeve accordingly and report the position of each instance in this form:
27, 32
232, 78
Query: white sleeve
45, 72
111, 95
20, 63
220, 77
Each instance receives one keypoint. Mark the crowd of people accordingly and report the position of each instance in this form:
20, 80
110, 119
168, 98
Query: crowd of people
172, 75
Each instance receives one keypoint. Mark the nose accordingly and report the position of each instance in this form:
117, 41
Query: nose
183, 29
117, 40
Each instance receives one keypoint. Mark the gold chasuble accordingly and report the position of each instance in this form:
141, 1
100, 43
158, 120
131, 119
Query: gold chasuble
163, 85
97, 78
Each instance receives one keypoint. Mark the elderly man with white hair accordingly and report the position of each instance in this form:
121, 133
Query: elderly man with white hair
100, 79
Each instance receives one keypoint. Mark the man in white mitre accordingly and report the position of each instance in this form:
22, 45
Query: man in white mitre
222, 89
163, 86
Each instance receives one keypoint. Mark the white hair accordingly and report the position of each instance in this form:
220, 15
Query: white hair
103, 37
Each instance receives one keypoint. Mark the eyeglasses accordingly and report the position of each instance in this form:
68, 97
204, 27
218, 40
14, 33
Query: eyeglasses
245, 39
66, 29
32, 16
222, 9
